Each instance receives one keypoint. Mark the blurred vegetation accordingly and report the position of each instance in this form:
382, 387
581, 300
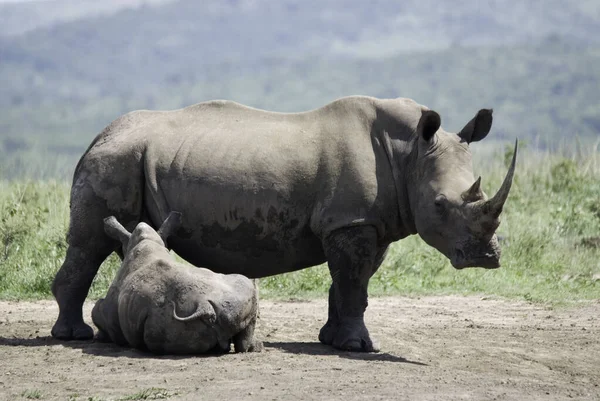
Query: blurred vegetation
550, 230
536, 63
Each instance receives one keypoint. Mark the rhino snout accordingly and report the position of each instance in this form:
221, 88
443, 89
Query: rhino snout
487, 256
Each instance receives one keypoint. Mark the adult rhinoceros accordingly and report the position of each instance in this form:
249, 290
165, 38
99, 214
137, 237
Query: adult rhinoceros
266, 193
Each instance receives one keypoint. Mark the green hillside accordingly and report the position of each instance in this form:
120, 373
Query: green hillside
546, 93
534, 62
256, 27
23, 16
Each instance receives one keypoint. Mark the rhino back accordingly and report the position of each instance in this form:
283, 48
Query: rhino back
256, 187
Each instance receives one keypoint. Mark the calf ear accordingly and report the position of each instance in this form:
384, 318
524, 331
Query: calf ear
115, 230
428, 124
478, 127
169, 226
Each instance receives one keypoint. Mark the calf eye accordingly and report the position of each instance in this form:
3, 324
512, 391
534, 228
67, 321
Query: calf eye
440, 203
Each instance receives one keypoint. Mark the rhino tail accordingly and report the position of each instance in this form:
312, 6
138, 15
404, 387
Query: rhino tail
80, 161
205, 313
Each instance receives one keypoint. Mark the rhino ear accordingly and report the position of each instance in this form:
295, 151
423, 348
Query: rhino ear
428, 124
115, 230
478, 127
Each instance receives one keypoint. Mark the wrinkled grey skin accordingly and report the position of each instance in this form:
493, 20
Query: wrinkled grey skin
157, 304
266, 193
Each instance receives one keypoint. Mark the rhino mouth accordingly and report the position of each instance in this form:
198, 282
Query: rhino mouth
487, 261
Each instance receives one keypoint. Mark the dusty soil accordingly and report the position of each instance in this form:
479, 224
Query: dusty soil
433, 348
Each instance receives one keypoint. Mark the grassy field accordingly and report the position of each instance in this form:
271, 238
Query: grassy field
550, 231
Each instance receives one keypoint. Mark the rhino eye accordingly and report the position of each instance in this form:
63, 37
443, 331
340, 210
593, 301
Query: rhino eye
440, 203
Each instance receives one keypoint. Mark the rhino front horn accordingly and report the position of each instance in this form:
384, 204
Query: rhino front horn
496, 204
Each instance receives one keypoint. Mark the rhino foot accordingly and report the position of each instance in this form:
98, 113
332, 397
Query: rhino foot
348, 336
328, 332
75, 331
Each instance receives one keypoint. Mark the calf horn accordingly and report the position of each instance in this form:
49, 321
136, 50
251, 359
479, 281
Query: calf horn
495, 204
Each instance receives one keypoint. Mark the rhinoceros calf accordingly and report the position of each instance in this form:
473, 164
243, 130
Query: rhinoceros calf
157, 304
265, 193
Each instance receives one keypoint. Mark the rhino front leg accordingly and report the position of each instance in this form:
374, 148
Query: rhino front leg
330, 329
353, 256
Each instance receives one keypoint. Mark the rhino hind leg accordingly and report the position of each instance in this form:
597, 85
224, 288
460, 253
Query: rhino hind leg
88, 247
70, 288
353, 256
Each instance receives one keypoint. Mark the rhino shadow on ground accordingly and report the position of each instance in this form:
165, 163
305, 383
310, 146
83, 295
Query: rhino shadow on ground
116, 351
315, 348
30, 342
97, 348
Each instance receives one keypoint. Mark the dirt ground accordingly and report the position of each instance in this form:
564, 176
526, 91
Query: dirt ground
433, 348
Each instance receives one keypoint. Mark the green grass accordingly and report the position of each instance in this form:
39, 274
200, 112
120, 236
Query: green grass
32, 394
152, 393
551, 215
149, 394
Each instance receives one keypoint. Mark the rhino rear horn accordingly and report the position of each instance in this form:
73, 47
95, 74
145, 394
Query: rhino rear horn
474, 193
169, 226
495, 204
115, 230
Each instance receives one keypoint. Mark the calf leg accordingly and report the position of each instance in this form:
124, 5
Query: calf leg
219, 349
353, 256
244, 341
102, 337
